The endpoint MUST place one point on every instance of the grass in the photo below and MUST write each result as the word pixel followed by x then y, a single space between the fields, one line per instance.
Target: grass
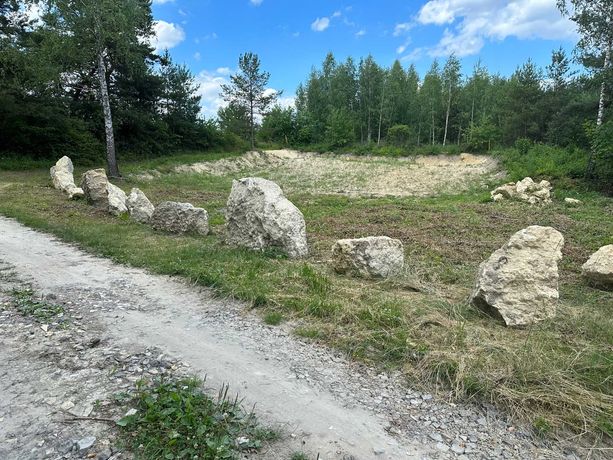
pixel 556 375
pixel 176 420
pixel 41 311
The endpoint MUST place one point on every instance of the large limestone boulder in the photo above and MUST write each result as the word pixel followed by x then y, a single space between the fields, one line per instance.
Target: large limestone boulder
pixel 371 257
pixel 63 178
pixel 599 267
pixel 519 282
pixel 259 216
pixel 139 206
pixel 525 190
pixel 117 200
pixel 95 187
pixel 180 218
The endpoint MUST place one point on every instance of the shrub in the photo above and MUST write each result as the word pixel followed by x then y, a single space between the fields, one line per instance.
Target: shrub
pixel 523 145
pixel 399 135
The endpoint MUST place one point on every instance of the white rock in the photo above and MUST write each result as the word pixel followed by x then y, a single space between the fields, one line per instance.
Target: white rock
pixel 117 200
pixel 63 178
pixel 85 443
pixel 573 201
pixel 371 257
pixel 519 282
pixel 525 190
pixel 139 206
pixel 180 218
pixel 259 217
pixel 95 187
pixel 599 267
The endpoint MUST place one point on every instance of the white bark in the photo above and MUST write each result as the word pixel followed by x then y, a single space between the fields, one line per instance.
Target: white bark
pixel 603 88
pixel 111 157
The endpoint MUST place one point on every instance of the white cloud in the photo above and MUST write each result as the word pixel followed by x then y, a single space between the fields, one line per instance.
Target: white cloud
pixel 166 35
pixel 224 71
pixel 210 92
pixel 360 33
pixel 402 28
pixel 256 2
pixel 472 22
pixel 161 2
pixel 320 24
pixel 197 56
pixel 336 14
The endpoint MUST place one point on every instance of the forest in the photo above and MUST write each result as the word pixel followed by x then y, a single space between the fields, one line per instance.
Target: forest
pixel 50 104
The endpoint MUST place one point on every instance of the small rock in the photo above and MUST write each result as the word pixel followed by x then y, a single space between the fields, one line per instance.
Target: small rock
pixel 85 443
pixel 371 257
pixel 180 218
pixel 378 451
pixel 573 201
pixel 599 267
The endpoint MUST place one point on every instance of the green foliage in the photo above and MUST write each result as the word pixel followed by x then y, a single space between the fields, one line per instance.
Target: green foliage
pixel 545 162
pixel 279 126
pixel 481 137
pixel 523 145
pixel 247 90
pixel 601 149
pixel 274 318
pixel 40 310
pixel 400 135
pixel 339 132
pixel 176 420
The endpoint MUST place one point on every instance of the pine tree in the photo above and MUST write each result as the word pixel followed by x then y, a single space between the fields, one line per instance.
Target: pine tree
pixel 248 89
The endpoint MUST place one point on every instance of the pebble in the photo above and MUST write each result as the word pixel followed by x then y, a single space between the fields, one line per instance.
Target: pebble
pixel 85 443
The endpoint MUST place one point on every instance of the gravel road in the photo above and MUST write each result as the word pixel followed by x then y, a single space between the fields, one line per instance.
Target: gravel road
pixel 323 403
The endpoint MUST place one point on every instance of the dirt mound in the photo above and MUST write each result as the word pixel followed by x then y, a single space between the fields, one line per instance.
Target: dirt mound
pixel 354 175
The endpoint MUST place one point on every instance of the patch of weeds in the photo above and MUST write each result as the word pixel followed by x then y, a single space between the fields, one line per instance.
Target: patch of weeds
pixel 299 456
pixel 274 318
pixel 176 420
pixel 317 283
pixel 40 310
pixel 542 426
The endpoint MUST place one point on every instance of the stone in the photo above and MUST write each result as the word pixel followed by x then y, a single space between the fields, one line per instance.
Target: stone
pixel 95 187
pixel 139 206
pixel 599 267
pixel 85 443
pixel 519 282
pixel 371 257
pixel 572 201
pixel 525 190
pixel 180 218
pixel 259 216
pixel 63 178
pixel 117 200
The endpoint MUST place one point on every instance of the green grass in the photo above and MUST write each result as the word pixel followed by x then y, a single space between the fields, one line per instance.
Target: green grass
pixel 43 312
pixel 176 420
pixel 555 374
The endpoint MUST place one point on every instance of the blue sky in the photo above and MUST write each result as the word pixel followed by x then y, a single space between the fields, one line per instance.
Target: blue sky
pixel 293 36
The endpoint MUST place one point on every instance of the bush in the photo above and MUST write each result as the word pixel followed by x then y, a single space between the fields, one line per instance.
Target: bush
pixel 340 129
pixel 523 145
pixel 399 135
pixel 544 162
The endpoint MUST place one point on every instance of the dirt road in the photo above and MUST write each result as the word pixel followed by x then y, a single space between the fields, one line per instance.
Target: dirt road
pixel 325 404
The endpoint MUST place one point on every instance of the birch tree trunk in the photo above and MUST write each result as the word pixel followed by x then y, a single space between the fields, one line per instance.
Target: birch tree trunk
pixel 447 117
pixel 111 157
pixel 600 118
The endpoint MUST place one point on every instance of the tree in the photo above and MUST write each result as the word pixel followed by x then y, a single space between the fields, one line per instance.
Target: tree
pixel 235 119
pixel 101 35
pixel 248 89
pixel 278 125
pixel 594 19
pixel 451 81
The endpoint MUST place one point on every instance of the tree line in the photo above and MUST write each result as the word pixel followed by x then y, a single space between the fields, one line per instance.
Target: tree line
pixel 83 79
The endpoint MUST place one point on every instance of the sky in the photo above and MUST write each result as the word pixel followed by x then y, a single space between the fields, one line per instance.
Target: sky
pixel 292 37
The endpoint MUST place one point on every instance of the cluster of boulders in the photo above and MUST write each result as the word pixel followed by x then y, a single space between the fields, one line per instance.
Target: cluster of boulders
pixel 517 284
pixel 525 190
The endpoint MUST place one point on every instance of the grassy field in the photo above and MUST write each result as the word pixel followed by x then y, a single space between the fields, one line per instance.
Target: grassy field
pixel 555 375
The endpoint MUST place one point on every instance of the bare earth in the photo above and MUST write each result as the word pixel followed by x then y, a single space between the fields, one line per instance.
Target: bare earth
pixel 355 175
pixel 126 323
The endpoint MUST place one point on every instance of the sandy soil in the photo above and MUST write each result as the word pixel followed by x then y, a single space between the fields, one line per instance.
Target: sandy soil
pixel 353 175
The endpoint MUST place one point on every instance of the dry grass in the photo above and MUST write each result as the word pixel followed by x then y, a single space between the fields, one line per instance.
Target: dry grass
pixel 556 375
